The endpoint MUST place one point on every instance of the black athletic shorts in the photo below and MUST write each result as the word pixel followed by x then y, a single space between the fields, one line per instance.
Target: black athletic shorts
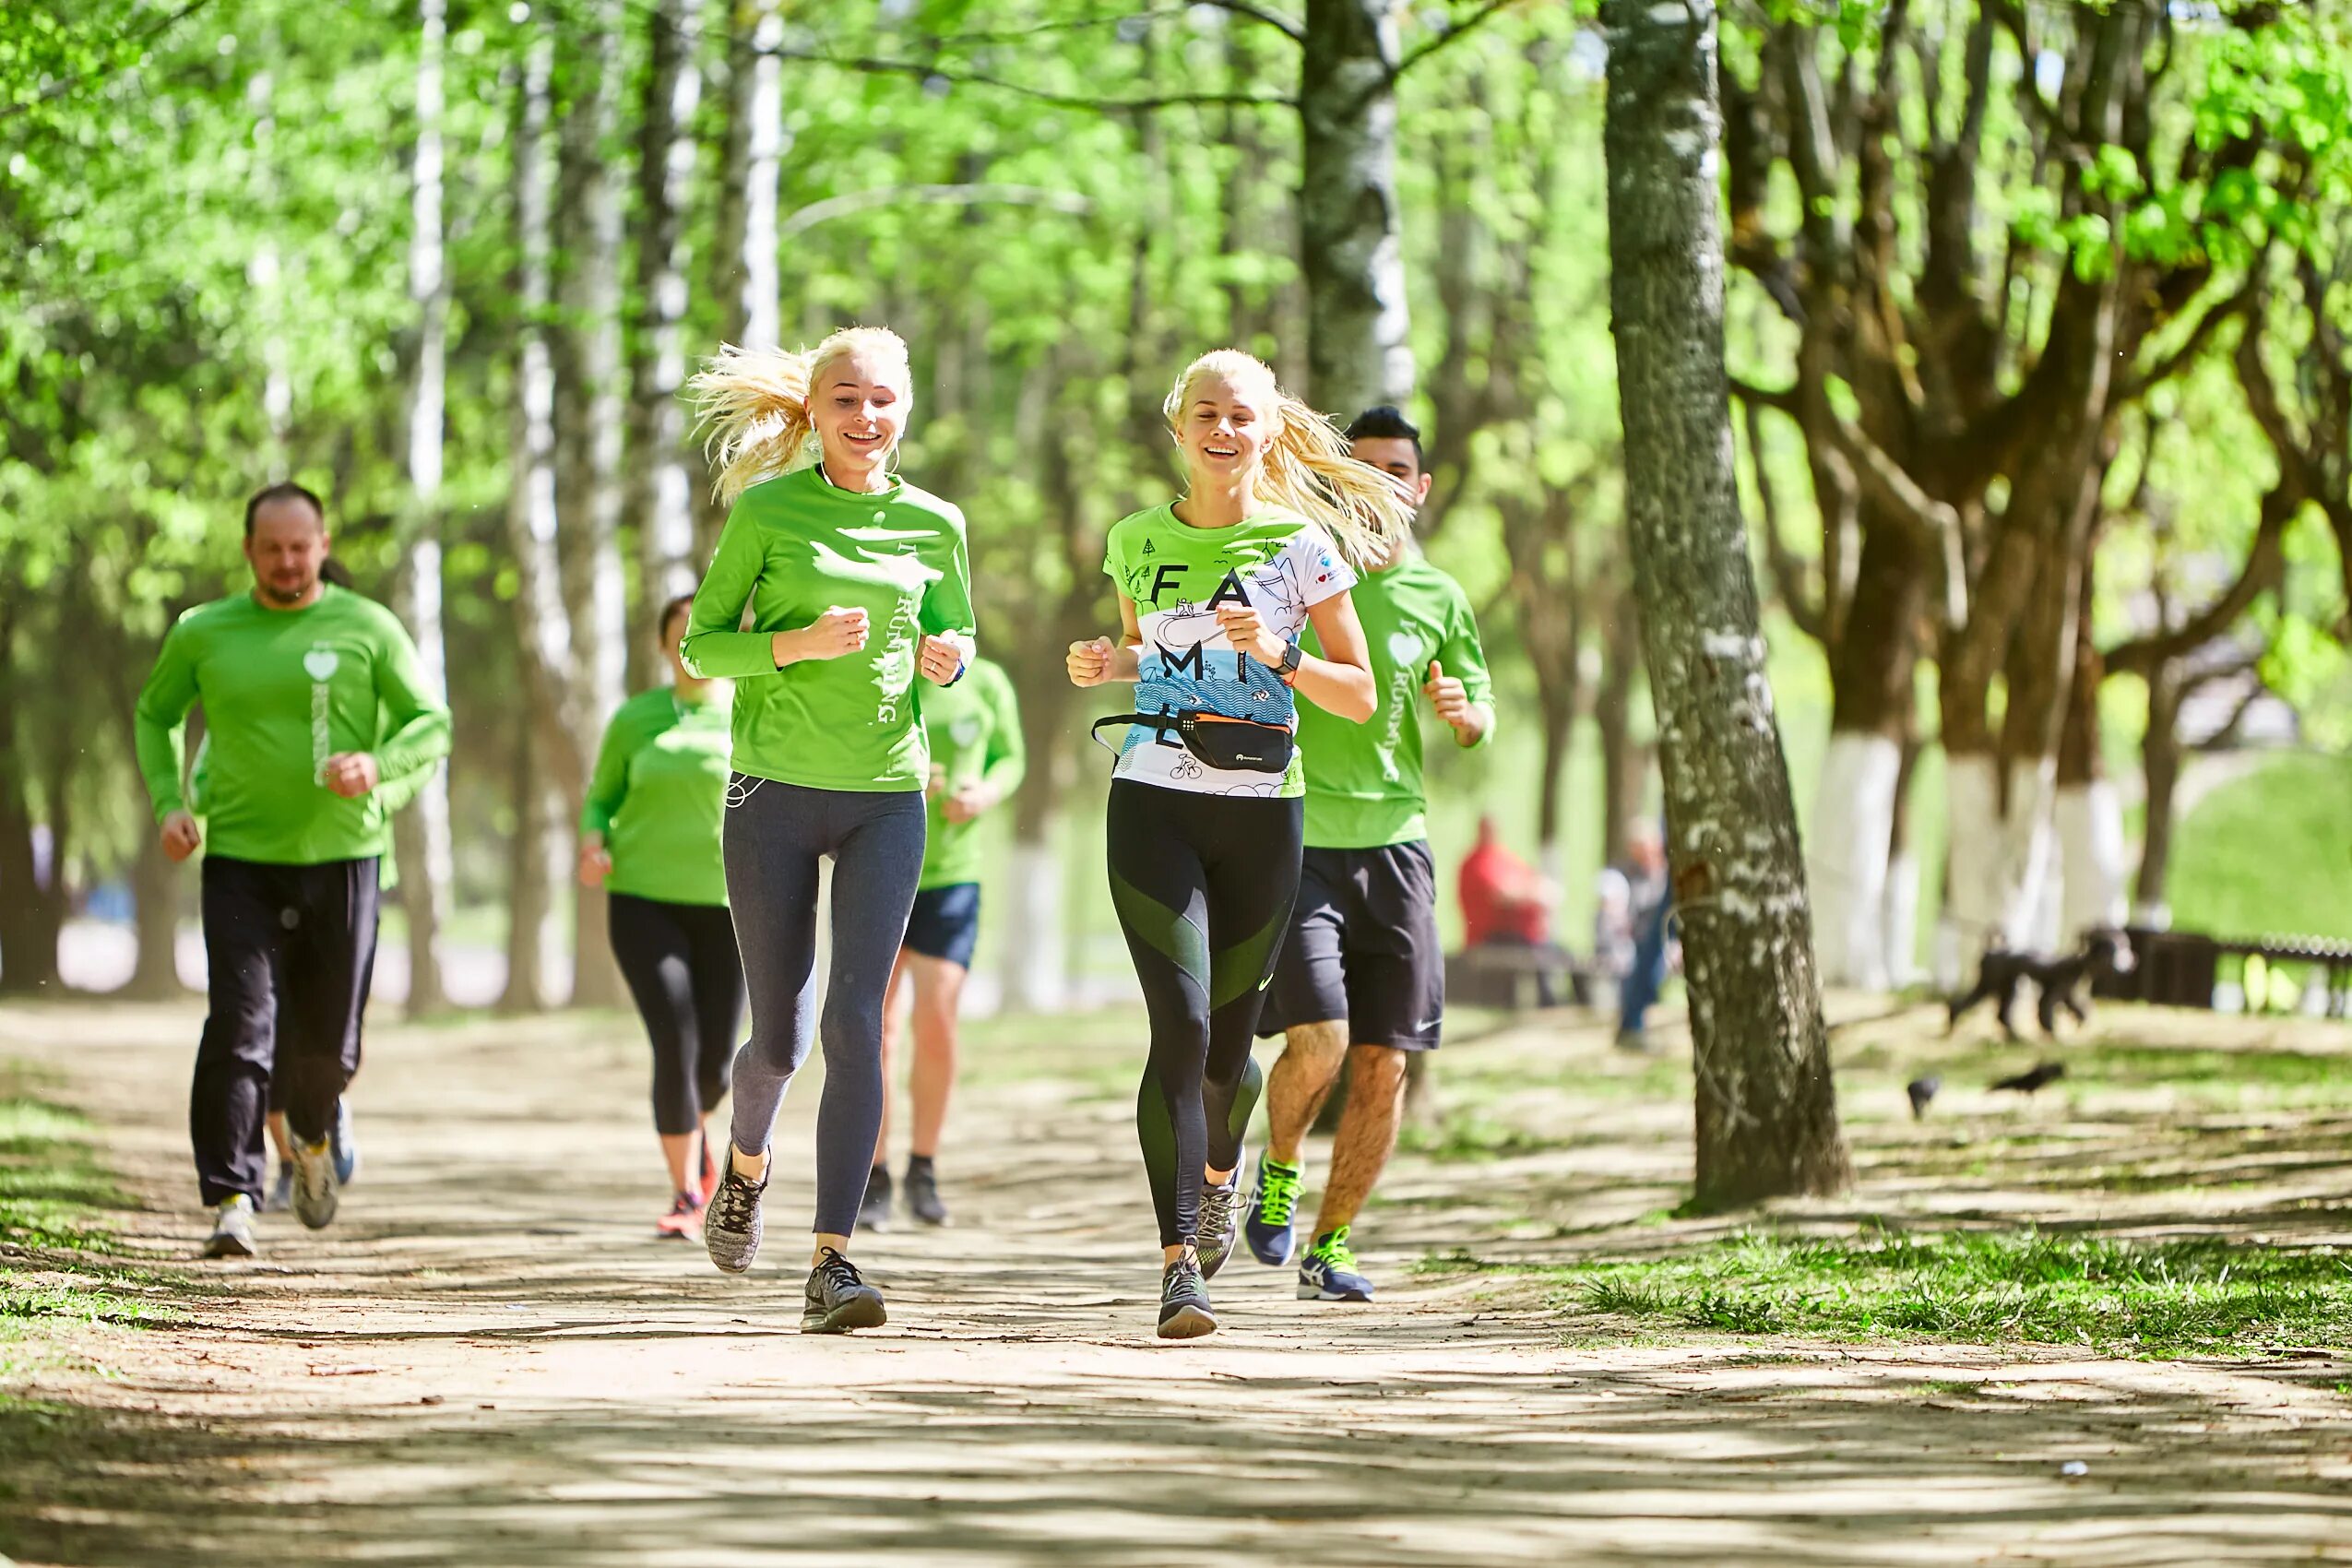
pixel 1364 948
pixel 944 923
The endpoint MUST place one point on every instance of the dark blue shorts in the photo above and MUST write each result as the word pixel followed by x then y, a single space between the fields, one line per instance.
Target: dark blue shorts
pixel 944 923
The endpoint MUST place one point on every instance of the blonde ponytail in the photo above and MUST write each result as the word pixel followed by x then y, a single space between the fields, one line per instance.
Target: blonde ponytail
pixel 755 402
pixel 1308 468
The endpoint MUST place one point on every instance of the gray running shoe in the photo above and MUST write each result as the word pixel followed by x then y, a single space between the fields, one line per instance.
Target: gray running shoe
pixel 838 1297
pixel 315 1192
pixel 731 1226
pixel 281 1191
pixel 1184 1312
pixel 923 1196
pixel 874 1213
pixel 231 1230
pixel 1217 1224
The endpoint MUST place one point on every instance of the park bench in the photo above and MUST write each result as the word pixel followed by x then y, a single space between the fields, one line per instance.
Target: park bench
pixel 2180 968
pixel 1503 975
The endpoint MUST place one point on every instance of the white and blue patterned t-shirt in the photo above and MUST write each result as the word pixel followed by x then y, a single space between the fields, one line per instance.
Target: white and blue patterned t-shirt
pixel 1279 565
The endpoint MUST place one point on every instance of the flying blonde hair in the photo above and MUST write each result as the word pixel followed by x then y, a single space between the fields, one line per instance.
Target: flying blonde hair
pixel 755 402
pixel 1308 468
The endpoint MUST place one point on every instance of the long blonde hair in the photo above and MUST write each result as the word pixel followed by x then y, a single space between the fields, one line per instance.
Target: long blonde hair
pixel 755 402
pixel 1307 467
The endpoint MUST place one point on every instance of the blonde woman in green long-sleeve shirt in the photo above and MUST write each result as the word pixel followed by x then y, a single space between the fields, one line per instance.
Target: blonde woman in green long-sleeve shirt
pixel 855 583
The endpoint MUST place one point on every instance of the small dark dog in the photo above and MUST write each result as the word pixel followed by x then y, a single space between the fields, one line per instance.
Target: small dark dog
pixel 2059 979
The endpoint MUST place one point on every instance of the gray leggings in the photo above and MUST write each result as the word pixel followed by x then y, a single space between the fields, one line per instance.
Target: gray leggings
pixel 775 835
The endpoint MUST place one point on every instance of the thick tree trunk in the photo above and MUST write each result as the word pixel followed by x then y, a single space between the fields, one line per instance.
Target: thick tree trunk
pixel 155 914
pixel 534 937
pixel 541 617
pixel 2160 754
pixel 660 485
pixel 1350 231
pixel 1847 859
pixel 589 416
pixel 28 927
pixel 1901 901
pixel 2089 815
pixel 1767 1107
pixel 420 835
pixel 1624 768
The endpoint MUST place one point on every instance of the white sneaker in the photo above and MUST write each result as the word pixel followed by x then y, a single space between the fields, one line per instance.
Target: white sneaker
pixel 315 1189
pixel 231 1230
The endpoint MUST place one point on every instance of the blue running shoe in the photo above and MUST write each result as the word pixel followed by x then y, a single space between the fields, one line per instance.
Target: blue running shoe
pixel 1328 1271
pixel 347 1147
pixel 1272 1235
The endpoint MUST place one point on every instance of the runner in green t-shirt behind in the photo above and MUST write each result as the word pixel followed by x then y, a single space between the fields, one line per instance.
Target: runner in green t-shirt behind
pixel 649 829
pixel 976 761
pixel 317 712
pixel 1362 975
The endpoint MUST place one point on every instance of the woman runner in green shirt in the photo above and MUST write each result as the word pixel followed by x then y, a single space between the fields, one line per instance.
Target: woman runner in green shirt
pixel 855 582
pixel 649 836
pixel 1202 828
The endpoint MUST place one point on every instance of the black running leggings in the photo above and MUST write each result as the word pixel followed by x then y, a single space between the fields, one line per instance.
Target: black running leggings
pixel 1203 885
pixel 683 971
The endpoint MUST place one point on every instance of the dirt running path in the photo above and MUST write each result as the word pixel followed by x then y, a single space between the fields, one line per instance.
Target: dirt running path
pixel 489 1360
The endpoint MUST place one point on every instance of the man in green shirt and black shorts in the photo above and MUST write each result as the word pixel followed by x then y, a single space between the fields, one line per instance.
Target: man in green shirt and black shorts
pixel 1362 976
pixel 977 759
pixel 316 711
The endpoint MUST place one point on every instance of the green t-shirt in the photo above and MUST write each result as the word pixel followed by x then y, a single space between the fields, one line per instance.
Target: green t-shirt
pixel 793 547
pixel 283 690
pixel 975 729
pixel 1364 780
pixel 658 796
pixel 1279 565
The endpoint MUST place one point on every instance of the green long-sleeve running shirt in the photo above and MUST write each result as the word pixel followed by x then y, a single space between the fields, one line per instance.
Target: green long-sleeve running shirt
pixel 283 690
pixel 659 796
pixel 795 547
pixel 975 731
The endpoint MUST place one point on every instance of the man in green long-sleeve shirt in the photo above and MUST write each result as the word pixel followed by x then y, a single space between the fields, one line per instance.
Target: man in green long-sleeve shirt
pixel 317 712
pixel 977 759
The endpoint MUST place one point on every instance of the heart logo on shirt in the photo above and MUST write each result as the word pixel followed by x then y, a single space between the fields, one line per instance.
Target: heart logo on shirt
pixel 1403 647
pixel 321 663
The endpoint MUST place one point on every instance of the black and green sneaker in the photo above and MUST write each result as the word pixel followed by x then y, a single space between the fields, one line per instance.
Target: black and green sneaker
pixel 1328 1271
pixel 1272 1235
pixel 1184 1312
pixel 838 1299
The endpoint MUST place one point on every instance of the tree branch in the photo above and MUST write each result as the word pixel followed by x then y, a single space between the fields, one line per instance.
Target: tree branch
pixel 1453 31
pixel 925 71
pixel 1789 574
pixel 805 217
pixel 129 57
pixel 2137 383
pixel 2266 567
pixel 1294 31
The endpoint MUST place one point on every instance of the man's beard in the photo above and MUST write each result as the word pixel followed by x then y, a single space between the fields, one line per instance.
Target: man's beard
pixel 276 594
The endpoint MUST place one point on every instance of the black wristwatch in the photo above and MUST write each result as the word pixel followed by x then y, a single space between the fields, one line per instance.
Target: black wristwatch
pixel 1289 668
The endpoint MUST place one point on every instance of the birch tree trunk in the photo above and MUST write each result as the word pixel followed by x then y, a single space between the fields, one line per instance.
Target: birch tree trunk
pixel 1767 1107
pixel 542 619
pixel 590 414
pixel 420 834
pixel 660 487
pixel 744 269
pixel 1351 235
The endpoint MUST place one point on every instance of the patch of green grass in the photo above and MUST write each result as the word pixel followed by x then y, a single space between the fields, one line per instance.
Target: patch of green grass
pixel 1469 1135
pixel 2225 876
pixel 2175 1298
pixel 53 1240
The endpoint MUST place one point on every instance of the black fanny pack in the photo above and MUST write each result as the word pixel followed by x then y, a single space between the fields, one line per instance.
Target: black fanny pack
pixel 1237 745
